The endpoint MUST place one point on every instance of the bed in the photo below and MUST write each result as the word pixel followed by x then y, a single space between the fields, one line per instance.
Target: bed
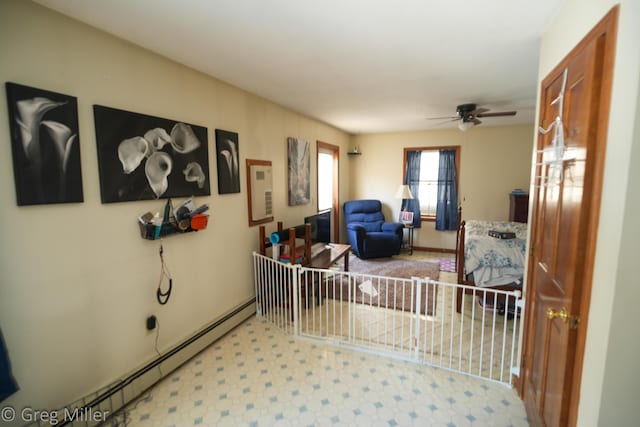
pixel 490 262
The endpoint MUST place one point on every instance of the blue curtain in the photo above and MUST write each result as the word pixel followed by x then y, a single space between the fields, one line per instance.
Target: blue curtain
pixel 8 385
pixel 412 179
pixel 447 207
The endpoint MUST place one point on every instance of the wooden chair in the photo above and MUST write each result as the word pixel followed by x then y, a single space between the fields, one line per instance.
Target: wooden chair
pixel 295 252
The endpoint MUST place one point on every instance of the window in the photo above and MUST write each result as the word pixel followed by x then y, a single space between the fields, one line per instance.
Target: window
pixel 328 156
pixel 427 184
pixel 428 187
pixel 325 180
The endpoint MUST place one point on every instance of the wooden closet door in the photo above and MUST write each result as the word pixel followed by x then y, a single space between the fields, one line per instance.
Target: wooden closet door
pixel 564 226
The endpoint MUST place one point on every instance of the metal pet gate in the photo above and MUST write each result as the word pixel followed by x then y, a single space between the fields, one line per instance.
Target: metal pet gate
pixel 411 319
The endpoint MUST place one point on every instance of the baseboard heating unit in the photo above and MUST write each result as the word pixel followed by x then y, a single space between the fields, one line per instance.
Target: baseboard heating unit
pixel 115 396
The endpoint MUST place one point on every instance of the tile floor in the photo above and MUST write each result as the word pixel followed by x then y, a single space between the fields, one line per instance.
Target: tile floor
pixel 258 376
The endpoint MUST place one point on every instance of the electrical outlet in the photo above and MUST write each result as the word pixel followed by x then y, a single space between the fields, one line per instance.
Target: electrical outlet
pixel 151 323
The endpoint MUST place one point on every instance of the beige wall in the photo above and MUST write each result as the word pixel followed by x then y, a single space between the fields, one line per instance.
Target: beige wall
pixel 493 162
pixel 610 374
pixel 76 280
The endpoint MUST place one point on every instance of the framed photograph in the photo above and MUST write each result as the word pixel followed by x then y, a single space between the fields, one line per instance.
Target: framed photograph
pixel 143 157
pixel 259 191
pixel 299 172
pixel 45 146
pixel 227 156
pixel 406 217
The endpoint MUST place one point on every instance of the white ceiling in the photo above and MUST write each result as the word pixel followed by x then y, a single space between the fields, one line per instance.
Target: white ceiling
pixel 360 65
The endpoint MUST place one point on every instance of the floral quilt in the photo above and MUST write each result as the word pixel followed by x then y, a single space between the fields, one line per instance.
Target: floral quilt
pixel 482 250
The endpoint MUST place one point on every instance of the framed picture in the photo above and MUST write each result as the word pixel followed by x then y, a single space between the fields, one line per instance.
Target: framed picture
pixel 143 157
pixel 299 172
pixel 406 217
pixel 45 146
pixel 227 156
pixel 259 191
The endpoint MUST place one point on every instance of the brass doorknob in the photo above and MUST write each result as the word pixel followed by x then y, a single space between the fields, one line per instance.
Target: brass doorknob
pixel 563 314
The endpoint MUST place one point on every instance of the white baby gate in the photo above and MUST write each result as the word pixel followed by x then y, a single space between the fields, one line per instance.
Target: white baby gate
pixel 412 319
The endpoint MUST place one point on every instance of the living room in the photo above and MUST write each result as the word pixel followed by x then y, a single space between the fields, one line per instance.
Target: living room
pixel 78 282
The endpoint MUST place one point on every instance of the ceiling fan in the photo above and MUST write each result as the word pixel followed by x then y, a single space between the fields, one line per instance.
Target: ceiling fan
pixel 469 115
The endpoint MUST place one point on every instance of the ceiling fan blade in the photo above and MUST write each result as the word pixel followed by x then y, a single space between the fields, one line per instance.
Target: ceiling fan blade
pixel 502 113
pixel 444 118
pixel 448 121
pixel 479 111
pixel 476 121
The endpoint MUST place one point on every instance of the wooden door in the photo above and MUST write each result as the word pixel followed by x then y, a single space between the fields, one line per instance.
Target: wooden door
pixel 564 227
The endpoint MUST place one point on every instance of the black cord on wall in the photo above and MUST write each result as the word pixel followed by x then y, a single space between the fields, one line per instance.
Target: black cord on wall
pixel 163 297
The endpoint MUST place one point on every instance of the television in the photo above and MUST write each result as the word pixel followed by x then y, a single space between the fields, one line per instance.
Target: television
pixel 320 226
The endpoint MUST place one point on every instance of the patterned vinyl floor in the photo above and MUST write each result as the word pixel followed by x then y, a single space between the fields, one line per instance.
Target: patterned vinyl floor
pixel 258 376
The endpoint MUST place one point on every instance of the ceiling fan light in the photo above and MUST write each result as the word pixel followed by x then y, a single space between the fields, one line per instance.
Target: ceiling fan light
pixel 465 126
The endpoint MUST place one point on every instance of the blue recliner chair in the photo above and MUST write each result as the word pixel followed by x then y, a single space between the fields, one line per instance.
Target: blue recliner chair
pixel 368 233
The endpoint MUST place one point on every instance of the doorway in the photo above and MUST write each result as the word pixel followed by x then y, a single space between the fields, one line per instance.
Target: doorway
pixel 328 156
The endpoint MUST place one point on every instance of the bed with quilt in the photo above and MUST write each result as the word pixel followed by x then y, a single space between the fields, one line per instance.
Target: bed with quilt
pixel 491 254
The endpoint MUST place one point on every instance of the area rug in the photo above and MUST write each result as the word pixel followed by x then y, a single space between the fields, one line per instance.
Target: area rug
pixel 448 265
pixel 374 285
pixel 395 267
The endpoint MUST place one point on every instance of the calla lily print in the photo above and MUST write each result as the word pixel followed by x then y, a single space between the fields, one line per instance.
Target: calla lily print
pixel 228 172
pixel 143 157
pixel 45 145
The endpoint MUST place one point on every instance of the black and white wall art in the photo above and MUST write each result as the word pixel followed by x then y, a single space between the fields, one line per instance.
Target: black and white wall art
pixel 299 172
pixel 45 145
pixel 142 157
pixel 227 156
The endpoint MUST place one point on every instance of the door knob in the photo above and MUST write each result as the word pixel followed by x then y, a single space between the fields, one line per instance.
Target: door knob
pixel 563 314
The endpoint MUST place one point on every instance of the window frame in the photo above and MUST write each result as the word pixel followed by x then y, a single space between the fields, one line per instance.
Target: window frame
pixel 457 148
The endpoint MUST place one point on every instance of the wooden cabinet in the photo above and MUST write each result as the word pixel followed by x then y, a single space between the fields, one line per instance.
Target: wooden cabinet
pixel 519 207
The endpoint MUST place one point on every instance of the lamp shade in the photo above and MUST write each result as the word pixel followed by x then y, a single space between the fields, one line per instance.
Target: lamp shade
pixel 404 192
pixel 465 126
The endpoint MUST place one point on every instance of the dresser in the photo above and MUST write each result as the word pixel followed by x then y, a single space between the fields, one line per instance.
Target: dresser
pixel 518 207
